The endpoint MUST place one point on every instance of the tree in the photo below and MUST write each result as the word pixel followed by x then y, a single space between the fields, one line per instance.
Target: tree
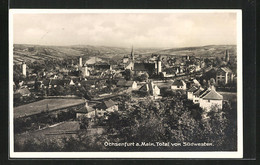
pixel 212 82
pixel 84 123
pixel 143 77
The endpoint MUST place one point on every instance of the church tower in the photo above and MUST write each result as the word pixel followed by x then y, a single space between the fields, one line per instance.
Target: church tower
pixel 227 56
pixel 159 65
pixel 24 68
pixel 80 61
pixel 132 54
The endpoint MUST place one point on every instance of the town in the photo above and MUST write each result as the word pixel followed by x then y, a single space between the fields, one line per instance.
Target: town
pixel 138 96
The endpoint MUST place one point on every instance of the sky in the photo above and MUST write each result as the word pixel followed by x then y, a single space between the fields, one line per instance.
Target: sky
pixel 148 30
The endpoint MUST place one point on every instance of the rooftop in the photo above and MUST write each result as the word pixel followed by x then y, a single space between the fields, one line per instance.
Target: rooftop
pixel 178 83
pixel 226 69
pixel 212 95
pixel 144 67
pixel 109 103
pixel 192 89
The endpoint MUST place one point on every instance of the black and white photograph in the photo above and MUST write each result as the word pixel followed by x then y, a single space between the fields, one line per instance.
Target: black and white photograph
pixel 125 83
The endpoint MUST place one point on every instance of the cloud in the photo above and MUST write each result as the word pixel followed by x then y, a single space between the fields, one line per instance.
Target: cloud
pixel 123 30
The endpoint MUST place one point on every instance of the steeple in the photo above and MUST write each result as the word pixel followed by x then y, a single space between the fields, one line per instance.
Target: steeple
pixel 227 56
pixel 159 65
pixel 132 54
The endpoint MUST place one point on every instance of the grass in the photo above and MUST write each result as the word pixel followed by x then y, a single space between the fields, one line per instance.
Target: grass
pixel 39 106
pixel 232 96
pixel 56 132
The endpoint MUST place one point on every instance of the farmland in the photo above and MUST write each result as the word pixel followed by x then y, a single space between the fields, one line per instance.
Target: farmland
pixel 43 105
pixel 58 131
pixel 31 53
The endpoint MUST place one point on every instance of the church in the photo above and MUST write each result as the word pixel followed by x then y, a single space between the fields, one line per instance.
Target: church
pixel 142 67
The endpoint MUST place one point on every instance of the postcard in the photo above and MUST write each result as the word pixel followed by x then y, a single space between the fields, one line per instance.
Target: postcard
pixel 125 83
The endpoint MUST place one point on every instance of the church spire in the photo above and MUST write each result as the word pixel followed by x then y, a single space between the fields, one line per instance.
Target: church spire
pixel 132 54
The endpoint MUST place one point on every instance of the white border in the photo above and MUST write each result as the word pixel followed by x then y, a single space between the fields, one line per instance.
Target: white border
pixel 212 154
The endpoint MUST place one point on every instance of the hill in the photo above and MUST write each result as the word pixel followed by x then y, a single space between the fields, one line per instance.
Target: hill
pixel 31 53
pixel 202 51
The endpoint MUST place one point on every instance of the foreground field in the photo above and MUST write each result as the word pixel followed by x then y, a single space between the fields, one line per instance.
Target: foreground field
pixel 43 105
pixel 229 95
pixel 58 131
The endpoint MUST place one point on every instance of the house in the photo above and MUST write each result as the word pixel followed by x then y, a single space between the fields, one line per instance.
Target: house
pixel 196 95
pixel 57 82
pixel 190 92
pixel 178 85
pixel 129 84
pixel 91 83
pixel 125 59
pixel 23 92
pixel 71 82
pixel 45 83
pixel 87 112
pixel 224 76
pixel 210 98
pixel 29 84
pixel 140 68
pixel 103 66
pixel 151 88
pixel 106 107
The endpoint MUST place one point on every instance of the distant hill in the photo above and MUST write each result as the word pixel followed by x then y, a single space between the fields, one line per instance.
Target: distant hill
pixel 202 51
pixel 30 53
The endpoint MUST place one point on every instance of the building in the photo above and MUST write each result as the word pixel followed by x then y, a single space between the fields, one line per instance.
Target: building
pixel 85 71
pixel 106 107
pixel 125 59
pixel 210 98
pixel 24 68
pixel 87 112
pixel 140 68
pixel 143 67
pixel 178 85
pixel 103 66
pixel 227 56
pixel 224 76
pixel 57 82
pixel 196 95
pixel 23 92
pixel 151 88
pixel 158 65
pixel 72 82
pixel 80 61
pixel 90 83
pixel 128 84
pixel 190 92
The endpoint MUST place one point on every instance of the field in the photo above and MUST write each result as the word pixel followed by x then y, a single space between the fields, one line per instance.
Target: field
pixel 229 95
pixel 43 105
pixel 58 131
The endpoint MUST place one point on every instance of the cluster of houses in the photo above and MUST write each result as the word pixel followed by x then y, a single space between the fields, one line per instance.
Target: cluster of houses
pixel 205 98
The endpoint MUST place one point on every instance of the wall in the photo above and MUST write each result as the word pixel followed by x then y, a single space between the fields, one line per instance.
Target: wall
pixel 207 105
